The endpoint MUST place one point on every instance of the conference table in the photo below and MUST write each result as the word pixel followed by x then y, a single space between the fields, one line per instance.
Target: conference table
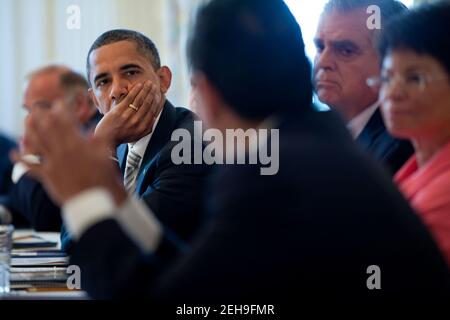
pixel 39 269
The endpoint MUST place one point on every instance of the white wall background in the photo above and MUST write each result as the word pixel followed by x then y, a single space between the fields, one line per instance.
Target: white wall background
pixel 34 33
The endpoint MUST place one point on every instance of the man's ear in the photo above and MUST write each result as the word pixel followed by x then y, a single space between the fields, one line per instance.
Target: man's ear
pixel 94 99
pixel 165 78
pixel 82 107
pixel 79 107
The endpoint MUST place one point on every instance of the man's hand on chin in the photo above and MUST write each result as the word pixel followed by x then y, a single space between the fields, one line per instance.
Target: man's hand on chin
pixel 133 117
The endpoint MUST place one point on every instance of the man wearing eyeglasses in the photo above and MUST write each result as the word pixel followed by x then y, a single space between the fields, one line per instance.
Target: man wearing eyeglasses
pixel 346 58
pixel 27 200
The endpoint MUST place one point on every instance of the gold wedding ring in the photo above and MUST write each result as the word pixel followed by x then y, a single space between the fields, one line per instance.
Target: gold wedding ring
pixel 132 106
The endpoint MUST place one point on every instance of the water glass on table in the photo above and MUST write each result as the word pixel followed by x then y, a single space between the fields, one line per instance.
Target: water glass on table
pixel 6 242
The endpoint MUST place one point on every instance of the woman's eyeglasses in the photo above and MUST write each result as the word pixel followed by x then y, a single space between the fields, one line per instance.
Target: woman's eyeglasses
pixel 412 82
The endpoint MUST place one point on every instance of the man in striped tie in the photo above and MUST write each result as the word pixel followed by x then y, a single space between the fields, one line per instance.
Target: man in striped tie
pixel 131 169
pixel 128 85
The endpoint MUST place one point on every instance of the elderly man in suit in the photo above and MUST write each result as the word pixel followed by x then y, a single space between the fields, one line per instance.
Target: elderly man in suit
pixel 27 200
pixel 346 58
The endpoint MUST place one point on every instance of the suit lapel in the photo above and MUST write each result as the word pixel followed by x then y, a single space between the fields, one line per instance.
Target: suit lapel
pixel 372 130
pixel 162 134
pixel 122 151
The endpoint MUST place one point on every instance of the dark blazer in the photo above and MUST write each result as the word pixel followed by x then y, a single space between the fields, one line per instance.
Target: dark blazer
pixel 32 206
pixel 308 232
pixel 30 203
pixel 6 145
pixel 392 153
pixel 174 193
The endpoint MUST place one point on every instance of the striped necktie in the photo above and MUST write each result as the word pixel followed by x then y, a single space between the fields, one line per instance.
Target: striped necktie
pixel 131 170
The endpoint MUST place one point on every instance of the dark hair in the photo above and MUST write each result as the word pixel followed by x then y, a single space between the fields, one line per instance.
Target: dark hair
pixel 423 30
pixel 253 53
pixel 144 45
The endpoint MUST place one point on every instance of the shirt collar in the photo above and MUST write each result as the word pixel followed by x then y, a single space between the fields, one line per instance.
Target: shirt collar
pixel 140 146
pixel 357 124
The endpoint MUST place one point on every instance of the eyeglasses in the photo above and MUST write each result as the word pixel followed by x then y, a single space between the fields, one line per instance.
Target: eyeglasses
pixel 412 82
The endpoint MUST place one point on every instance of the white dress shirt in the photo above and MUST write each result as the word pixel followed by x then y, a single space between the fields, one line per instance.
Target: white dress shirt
pixel 20 169
pixel 135 217
pixel 357 124
pixel 95 205
pixel 140 146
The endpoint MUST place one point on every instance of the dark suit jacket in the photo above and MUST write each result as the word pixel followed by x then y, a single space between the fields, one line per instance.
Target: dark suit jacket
pixel 308 232
pixel 6 145
pixel 392 153
pixel 32 206
pixel 174 193
pixel 30 203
